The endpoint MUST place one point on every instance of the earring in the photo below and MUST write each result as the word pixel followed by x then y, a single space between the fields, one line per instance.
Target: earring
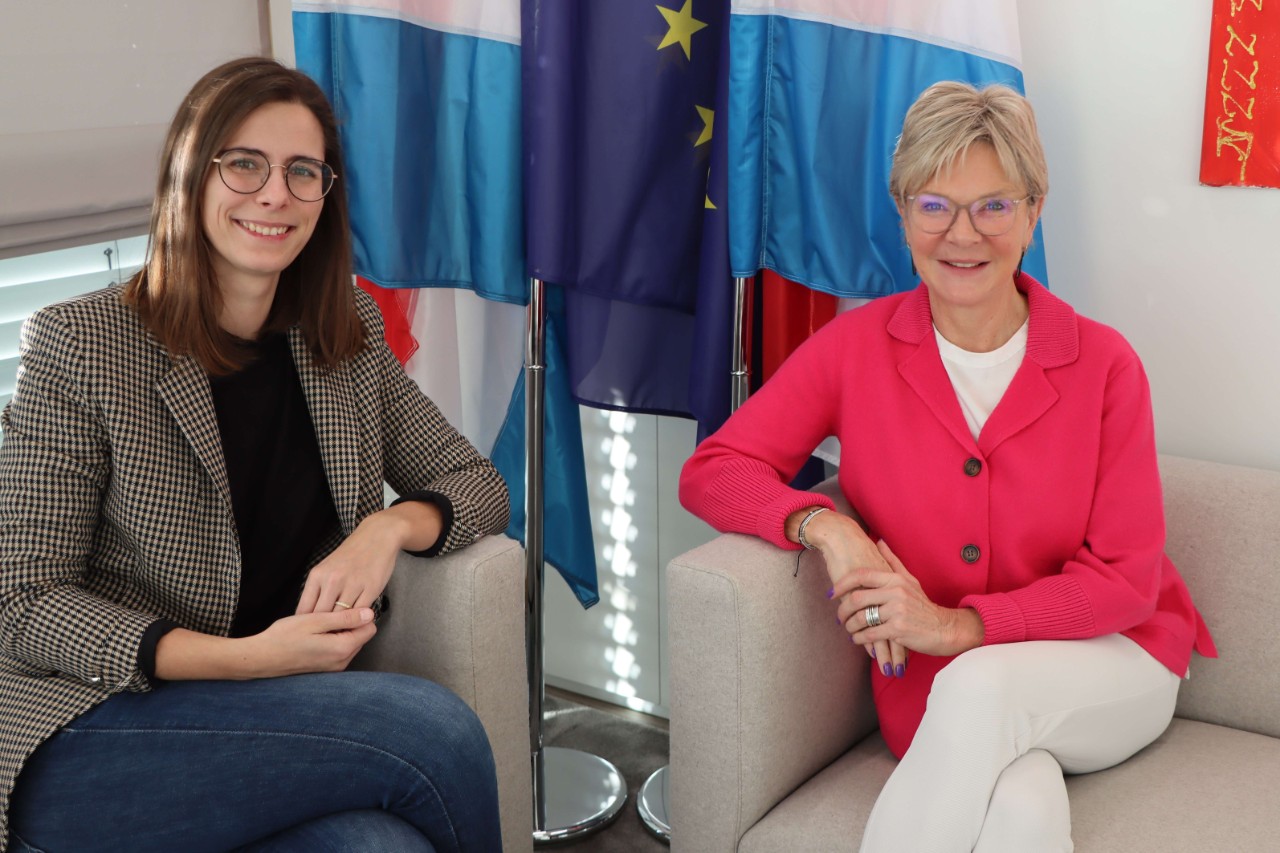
pixel 1017 274
pixel 914 273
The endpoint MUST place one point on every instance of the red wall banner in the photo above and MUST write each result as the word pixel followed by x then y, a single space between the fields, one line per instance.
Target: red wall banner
pixel 1241 144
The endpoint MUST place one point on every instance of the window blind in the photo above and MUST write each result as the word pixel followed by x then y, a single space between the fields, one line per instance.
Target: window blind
pixel 33 281
pixel 87 91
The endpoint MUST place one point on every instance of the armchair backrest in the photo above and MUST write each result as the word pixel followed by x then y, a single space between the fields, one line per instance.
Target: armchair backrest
pixel 1223 534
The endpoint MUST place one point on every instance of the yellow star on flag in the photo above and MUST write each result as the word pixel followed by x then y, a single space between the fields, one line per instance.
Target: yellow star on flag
pixel 708 118
pixel 681 27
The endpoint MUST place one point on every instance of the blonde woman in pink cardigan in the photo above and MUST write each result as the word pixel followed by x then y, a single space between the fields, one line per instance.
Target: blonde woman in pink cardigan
pixel 1008 576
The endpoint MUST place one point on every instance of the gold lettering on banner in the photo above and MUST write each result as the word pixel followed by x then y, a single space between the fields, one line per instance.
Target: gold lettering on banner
pixel 1239 141
pixel 1230 136
pixel 1252 80
pixel 1234 36
pixel 1248 111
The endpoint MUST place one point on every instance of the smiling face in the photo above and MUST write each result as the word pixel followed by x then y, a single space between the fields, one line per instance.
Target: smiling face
pixel 254 236
pixel 961 267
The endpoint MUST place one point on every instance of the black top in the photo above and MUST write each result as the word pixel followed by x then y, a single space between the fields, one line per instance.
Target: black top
pixel 279 493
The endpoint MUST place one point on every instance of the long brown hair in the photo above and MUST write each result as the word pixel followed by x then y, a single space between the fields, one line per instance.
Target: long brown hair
pixel 176 293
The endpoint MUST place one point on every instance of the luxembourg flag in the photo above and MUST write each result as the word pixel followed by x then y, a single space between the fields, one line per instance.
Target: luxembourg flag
pixel 818 91
pixel 427 96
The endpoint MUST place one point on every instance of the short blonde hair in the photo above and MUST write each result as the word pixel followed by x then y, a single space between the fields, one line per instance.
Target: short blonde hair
pixel 948 118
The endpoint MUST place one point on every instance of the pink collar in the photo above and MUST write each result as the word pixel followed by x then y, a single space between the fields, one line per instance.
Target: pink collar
pixel 1053 338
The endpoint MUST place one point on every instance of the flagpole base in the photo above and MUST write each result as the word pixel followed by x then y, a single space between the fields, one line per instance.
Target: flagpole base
pixel 651 804
pixel 580 793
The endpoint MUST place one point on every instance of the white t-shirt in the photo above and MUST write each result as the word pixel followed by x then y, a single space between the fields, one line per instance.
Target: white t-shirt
pixel 981 378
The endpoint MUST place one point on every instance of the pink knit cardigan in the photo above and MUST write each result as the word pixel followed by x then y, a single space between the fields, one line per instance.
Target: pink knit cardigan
pixel 1050 525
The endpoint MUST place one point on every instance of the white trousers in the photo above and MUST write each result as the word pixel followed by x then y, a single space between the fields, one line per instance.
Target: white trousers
pixel 1003 723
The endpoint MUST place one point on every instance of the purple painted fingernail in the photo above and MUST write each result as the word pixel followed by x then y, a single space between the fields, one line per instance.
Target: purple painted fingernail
pixel 831 592
pixel 888 670
pixel 873 649
pixel 900 670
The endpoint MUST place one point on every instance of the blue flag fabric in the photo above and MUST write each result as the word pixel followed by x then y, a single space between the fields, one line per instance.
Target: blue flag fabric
pixel 430 124
pixel 428 103
pixel 509 454
pixel 619 119
pixel 819 90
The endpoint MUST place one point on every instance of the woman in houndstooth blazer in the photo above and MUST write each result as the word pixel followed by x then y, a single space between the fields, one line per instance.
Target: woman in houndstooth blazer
pixel 192 534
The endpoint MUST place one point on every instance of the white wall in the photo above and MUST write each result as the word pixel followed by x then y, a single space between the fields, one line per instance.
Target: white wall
pixel 1189 274
pixel 280 21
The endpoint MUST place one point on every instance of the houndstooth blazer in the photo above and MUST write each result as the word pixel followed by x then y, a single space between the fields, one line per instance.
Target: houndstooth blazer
pixel 115 507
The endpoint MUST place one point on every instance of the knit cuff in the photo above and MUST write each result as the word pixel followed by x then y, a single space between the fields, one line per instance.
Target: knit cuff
pixel 445 506
pixel 1001 619
pixel 771 522
pixel 147 648
pixel 1050 609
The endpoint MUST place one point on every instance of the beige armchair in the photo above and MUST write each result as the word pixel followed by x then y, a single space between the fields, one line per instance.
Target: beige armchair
pixel 459 621
pixel 774 742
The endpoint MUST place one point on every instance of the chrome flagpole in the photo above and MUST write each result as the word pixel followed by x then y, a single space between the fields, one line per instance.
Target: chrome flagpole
pixel 651 800
pixel 574 793
pixel 740 374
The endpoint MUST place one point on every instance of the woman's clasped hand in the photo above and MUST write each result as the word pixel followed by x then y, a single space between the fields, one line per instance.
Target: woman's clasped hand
pixel 907 619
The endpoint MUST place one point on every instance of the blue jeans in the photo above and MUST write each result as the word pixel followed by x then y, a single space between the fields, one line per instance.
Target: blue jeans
pixel 322 762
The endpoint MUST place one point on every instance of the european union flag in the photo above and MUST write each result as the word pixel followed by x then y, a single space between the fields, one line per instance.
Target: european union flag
pixel 619 117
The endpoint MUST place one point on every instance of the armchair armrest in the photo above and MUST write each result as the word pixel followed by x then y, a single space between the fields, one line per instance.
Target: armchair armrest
pixel 766 689
pixel 458 620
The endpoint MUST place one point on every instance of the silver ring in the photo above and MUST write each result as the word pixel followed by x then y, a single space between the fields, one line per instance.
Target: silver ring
pixel 873 615
pixel 342 604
